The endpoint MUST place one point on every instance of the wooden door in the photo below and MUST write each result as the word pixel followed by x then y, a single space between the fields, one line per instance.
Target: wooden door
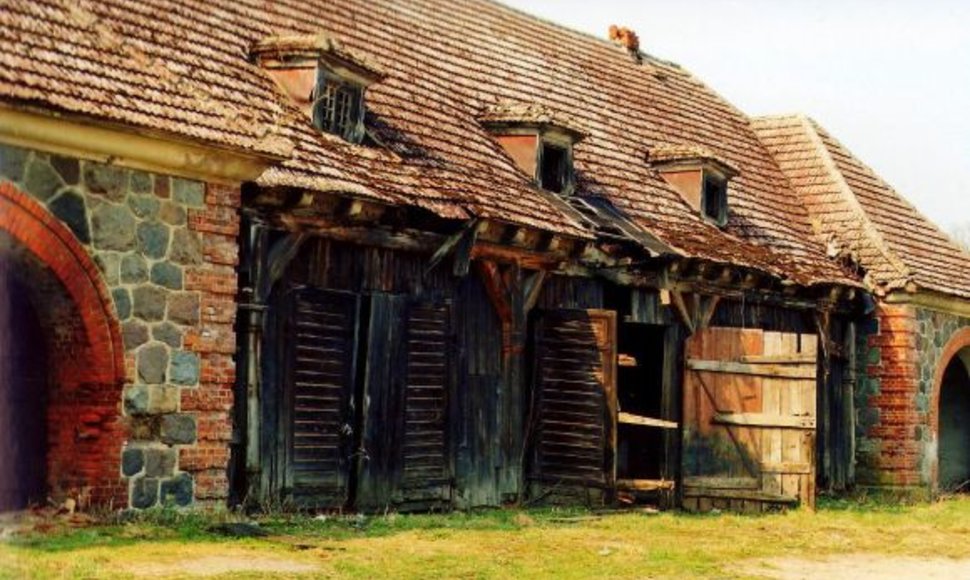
pixel 404 459
pixel 749 420
pixel 574 403
pixel 318 402
pixel 427 469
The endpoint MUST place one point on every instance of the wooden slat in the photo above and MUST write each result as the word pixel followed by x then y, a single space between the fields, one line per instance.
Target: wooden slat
pixel 721 482
pixel 781 359
pixel 764 420
pixel 763 370
pixel 791 468
pixel 742 494
pixel 644 484
pixel 631 419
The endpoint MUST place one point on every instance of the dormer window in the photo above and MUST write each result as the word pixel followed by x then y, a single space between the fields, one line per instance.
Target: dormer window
pixel 338 107
pixel 322 78
pixel 555 167
pixel 699 176
pixel 539 141
pixel 714 198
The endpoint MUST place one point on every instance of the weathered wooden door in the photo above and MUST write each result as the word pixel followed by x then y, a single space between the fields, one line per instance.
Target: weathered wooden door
pixel 749 420
pixel 574 403
pixel 404 457
pixel 318 399
pixel 427 468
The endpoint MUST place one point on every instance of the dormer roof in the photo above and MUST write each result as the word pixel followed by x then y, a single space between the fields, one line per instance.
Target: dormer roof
pixel 288 50
pixel 690 154
pixel 509 114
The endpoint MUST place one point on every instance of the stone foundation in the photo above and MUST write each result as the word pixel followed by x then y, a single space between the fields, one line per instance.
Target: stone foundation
pixel 167 251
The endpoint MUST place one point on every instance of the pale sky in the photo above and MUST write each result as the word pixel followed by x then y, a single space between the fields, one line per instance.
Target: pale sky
pixel 889 78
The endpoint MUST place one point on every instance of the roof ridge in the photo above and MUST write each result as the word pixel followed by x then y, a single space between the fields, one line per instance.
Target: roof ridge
pixel 566 28
pixel 900 197
pixel 868 228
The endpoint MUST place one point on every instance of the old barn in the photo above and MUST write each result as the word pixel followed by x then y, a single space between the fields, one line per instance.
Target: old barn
pixel 430 254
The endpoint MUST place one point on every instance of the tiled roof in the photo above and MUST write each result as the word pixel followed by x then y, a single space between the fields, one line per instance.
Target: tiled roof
pixel 447 62
pixel 169 69
pixel 861 214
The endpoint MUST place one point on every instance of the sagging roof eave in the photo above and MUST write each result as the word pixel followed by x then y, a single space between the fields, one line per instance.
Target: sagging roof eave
pixel 47 128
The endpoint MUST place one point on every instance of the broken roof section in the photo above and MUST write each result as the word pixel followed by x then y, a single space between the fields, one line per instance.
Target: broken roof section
pixel 861 216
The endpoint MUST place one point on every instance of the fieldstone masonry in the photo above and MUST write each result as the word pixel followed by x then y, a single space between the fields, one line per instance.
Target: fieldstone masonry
pixel 900 348
pixel 167 250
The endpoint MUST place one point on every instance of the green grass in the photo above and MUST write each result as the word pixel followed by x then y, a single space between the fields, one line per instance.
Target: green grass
pixel 491 544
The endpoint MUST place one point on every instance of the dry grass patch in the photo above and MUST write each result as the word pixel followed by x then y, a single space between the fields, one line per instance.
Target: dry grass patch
pixel 504 544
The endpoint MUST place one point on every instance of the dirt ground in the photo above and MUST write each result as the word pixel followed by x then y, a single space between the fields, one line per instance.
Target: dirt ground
pixel 219 565
pixel 857 567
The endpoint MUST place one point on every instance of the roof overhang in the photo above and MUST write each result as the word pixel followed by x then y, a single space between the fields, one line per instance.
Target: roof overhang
pixel 127 147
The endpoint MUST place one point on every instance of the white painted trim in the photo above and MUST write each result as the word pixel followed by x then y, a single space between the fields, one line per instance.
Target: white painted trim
pixel 128 148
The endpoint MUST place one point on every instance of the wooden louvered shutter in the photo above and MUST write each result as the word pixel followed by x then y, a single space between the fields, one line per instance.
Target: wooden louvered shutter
pixel 427 473
pixel 319 398
pixel 574 400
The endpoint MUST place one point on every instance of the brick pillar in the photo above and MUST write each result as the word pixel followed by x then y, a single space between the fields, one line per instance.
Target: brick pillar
pixel 890 422
pixel 214 340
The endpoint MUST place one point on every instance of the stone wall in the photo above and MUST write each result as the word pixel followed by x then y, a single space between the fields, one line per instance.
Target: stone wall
pixel 167 250
pixel 900 348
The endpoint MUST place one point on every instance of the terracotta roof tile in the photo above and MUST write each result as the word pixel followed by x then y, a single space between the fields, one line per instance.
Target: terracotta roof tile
pixel 447 62
pixel 861 213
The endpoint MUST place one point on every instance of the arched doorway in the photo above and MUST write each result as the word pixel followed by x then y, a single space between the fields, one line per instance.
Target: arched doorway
pixel 954 424
pixel 61 365
pixel 23 396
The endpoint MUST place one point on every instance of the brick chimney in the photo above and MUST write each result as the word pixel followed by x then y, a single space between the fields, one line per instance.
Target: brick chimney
pixel 626 38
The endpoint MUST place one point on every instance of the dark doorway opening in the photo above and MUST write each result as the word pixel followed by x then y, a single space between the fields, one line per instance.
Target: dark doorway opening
pixel 23 397
pixel 954 451
pixel 641 461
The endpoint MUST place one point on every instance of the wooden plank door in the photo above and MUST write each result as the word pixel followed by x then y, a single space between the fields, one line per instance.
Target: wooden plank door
pixel 318 409
pixel 404 459
pixel 574 403
pixel 749 420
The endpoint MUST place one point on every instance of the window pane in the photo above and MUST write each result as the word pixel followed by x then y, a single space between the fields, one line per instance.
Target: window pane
pixel 555 165
pixel 715 198
pixel 323 109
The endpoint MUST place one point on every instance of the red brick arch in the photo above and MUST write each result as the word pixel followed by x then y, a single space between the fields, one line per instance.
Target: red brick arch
pixel 959 341
pixel 85 428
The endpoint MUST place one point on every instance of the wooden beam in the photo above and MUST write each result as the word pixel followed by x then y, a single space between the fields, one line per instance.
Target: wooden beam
pixel 714 482
pixel 495 289
pixel 763 420
pixel 786 359
pixel 742 494
pixel 806 372
pixel 710 307
pixel 528 259
pixel 631 419
pixel 644 484
pixel 533 289
pixel 678 300
pixel 469 229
